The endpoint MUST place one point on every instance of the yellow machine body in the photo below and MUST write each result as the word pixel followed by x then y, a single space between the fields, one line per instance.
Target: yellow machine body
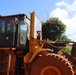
pixel 39 58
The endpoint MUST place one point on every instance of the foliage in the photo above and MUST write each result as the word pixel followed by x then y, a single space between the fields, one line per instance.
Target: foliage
pixel 63 38
pixel 67 49
pixel 53 28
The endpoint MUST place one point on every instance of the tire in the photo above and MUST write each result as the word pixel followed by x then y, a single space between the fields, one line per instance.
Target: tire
pixel 51 64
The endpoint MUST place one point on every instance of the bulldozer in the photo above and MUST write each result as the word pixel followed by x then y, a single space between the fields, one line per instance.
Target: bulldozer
pixel 23 52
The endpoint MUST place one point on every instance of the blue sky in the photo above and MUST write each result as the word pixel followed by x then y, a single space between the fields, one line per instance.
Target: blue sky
pixel 65 10
pixel 41 7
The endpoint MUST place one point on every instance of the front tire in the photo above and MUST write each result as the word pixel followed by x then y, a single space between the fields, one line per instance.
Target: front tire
pixel 51 64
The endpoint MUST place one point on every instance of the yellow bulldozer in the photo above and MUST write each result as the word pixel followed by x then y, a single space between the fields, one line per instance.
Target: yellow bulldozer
pixel 23 52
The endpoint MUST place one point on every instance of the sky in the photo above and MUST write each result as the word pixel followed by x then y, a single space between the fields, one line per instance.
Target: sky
pixel 65 10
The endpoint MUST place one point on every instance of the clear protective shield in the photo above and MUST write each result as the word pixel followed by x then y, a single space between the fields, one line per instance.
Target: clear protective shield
pixel 37 28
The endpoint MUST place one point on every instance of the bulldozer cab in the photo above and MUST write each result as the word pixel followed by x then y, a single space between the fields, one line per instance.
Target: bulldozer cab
pixel 13 30
pixel 13 36
pixel 18 33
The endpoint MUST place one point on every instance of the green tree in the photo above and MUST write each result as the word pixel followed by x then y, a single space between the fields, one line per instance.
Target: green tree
pixel 63 38
pixel 53 28
pixel 67 49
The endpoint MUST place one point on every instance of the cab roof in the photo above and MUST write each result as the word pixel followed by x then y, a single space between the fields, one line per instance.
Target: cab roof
pixel 14 15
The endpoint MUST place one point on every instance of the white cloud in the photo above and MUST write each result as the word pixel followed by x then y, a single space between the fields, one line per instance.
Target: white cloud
pixel 60 13
pixel 72 7
pixel 73 37
pixel 71 27
pixel 64 14
pixel 63 3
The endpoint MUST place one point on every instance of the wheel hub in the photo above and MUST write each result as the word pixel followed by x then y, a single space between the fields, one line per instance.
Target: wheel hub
pixel 50 70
